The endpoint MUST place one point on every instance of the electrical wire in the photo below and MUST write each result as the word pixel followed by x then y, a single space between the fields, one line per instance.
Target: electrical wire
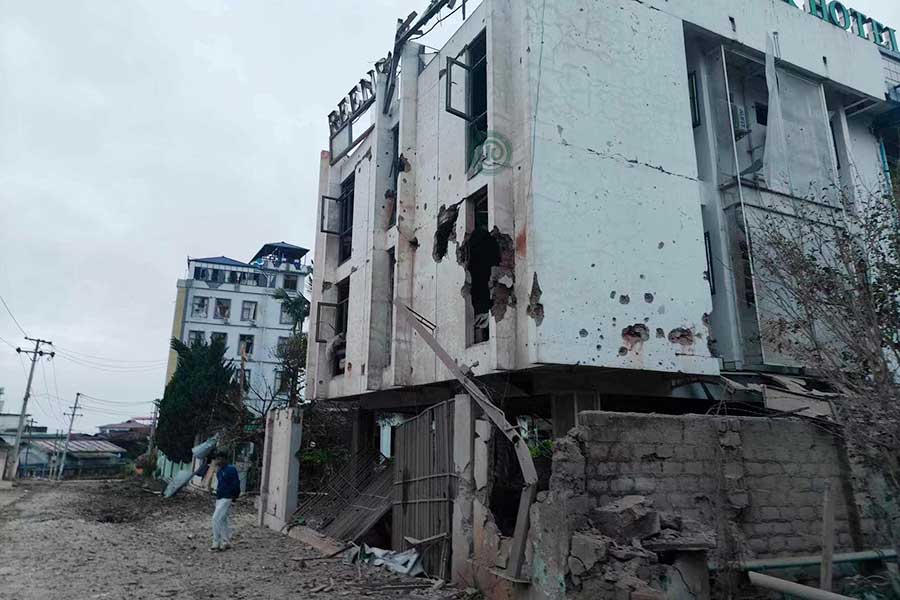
pixel 12 316
pixel 113 369
pixel 7 343
pixel 86 356
pixel 436 23
pixel 113 402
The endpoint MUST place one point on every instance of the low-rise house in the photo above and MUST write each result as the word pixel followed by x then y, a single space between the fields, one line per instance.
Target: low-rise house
pixel 41 454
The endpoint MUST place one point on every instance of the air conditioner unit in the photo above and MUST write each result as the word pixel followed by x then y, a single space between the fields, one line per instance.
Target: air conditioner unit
pixel 739 121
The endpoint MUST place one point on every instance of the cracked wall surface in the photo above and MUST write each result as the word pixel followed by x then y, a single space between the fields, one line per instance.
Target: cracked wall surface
pixel 615 191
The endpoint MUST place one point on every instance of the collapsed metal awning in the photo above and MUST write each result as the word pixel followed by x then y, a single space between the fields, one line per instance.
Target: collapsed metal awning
pixel 783 393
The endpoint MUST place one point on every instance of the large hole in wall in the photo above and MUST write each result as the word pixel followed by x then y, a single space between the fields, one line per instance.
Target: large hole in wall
pixel 479 254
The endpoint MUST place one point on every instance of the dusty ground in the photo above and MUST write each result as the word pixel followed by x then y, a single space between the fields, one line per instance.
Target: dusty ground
pixel 113 540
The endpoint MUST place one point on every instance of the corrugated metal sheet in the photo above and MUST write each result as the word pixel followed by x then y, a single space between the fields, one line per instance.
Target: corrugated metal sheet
pixel 82 446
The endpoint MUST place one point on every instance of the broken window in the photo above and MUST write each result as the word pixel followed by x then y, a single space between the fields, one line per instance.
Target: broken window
pixel 245 343
pixel 473 74
pixel 481 253
pixel 223 308
pixel 290 282
pixel 339 355
pixel 248 311
pixel 195 338
pixel 217 275
pixel 219 336
pixel 200 308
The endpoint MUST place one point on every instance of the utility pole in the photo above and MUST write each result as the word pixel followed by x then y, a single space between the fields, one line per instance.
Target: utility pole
pixel 73 414
pixel 152 441
pixel 35 354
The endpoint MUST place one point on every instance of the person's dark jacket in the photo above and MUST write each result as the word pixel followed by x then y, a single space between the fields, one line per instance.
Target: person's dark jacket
pixel 228 484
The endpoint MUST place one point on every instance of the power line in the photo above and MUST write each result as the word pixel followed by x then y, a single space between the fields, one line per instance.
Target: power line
pixel 13 316
pixel 86 356
pixel 7 343
pixel 114 402
pixel 113 369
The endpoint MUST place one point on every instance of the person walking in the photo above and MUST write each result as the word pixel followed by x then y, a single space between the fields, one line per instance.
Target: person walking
pixel 228 488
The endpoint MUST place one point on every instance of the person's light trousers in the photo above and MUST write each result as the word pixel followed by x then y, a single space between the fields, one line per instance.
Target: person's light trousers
pixel 221 528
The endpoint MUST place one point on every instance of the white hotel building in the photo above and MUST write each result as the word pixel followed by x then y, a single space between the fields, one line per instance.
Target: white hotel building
pixel 233 300
pixel 609 236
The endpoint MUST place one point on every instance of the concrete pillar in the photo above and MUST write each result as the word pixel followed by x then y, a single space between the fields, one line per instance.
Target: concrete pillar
pixel 463 439
pixel 281 468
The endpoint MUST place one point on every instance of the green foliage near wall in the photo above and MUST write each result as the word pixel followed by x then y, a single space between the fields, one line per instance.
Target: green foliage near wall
pixel 201 397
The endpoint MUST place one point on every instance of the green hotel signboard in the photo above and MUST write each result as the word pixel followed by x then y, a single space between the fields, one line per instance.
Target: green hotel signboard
pixel 850 19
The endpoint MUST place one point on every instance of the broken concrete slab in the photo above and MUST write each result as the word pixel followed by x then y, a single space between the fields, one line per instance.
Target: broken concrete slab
pixel 628 518
pixel 587 550
pixel 675 541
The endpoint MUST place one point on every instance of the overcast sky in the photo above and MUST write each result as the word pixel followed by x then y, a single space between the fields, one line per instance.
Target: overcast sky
pixel 136 133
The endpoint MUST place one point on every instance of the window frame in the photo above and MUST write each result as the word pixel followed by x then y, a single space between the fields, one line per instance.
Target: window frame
pixel 241 339
pixel 191 337
pixel 292 277
pixel 244 306
pixel 216 309
pixel 194 313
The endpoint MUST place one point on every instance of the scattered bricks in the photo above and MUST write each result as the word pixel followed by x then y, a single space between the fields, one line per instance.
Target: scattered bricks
pixel 586 551
pixel 631 517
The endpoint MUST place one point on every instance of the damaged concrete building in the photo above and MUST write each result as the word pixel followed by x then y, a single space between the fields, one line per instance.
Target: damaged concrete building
pixel 562 199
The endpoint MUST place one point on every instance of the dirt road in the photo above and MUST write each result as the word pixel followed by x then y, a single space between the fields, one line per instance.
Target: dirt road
pixel 113 540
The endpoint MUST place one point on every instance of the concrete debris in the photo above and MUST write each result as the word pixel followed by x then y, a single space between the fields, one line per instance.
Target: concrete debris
pixel 670 540
pixel 626 519
pixel 586 552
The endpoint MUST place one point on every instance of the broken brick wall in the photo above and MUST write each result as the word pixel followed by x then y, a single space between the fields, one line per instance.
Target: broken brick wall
pixel 766 476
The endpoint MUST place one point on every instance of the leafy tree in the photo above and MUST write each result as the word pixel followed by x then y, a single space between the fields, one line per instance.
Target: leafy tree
pixel 295 305
pixel 201 397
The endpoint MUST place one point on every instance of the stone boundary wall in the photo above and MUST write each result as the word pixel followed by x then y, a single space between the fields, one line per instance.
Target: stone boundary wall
pixel 757 481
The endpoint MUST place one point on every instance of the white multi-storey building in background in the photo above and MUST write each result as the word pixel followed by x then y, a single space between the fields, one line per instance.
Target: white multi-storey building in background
pixel 234 301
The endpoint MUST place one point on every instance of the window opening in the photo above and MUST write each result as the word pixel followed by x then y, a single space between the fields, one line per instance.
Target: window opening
pixel 219 336
pixel 200 308
pixel 345 207
pixel 223 308
pixel 245 344
pixel 695 98
pixel 392 268
pixel 195 338
pixel 709 270
pixel 290 282
pixel 248 311
pixel 476 98
pixel 339 355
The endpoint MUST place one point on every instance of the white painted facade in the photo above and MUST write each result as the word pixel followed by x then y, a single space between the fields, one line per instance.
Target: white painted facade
pixel 253 315
pixel 605 203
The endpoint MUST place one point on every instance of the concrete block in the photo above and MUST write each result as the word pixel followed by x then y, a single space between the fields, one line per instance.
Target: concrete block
pixel 585 553
pixel 631 517
pixel 730 439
